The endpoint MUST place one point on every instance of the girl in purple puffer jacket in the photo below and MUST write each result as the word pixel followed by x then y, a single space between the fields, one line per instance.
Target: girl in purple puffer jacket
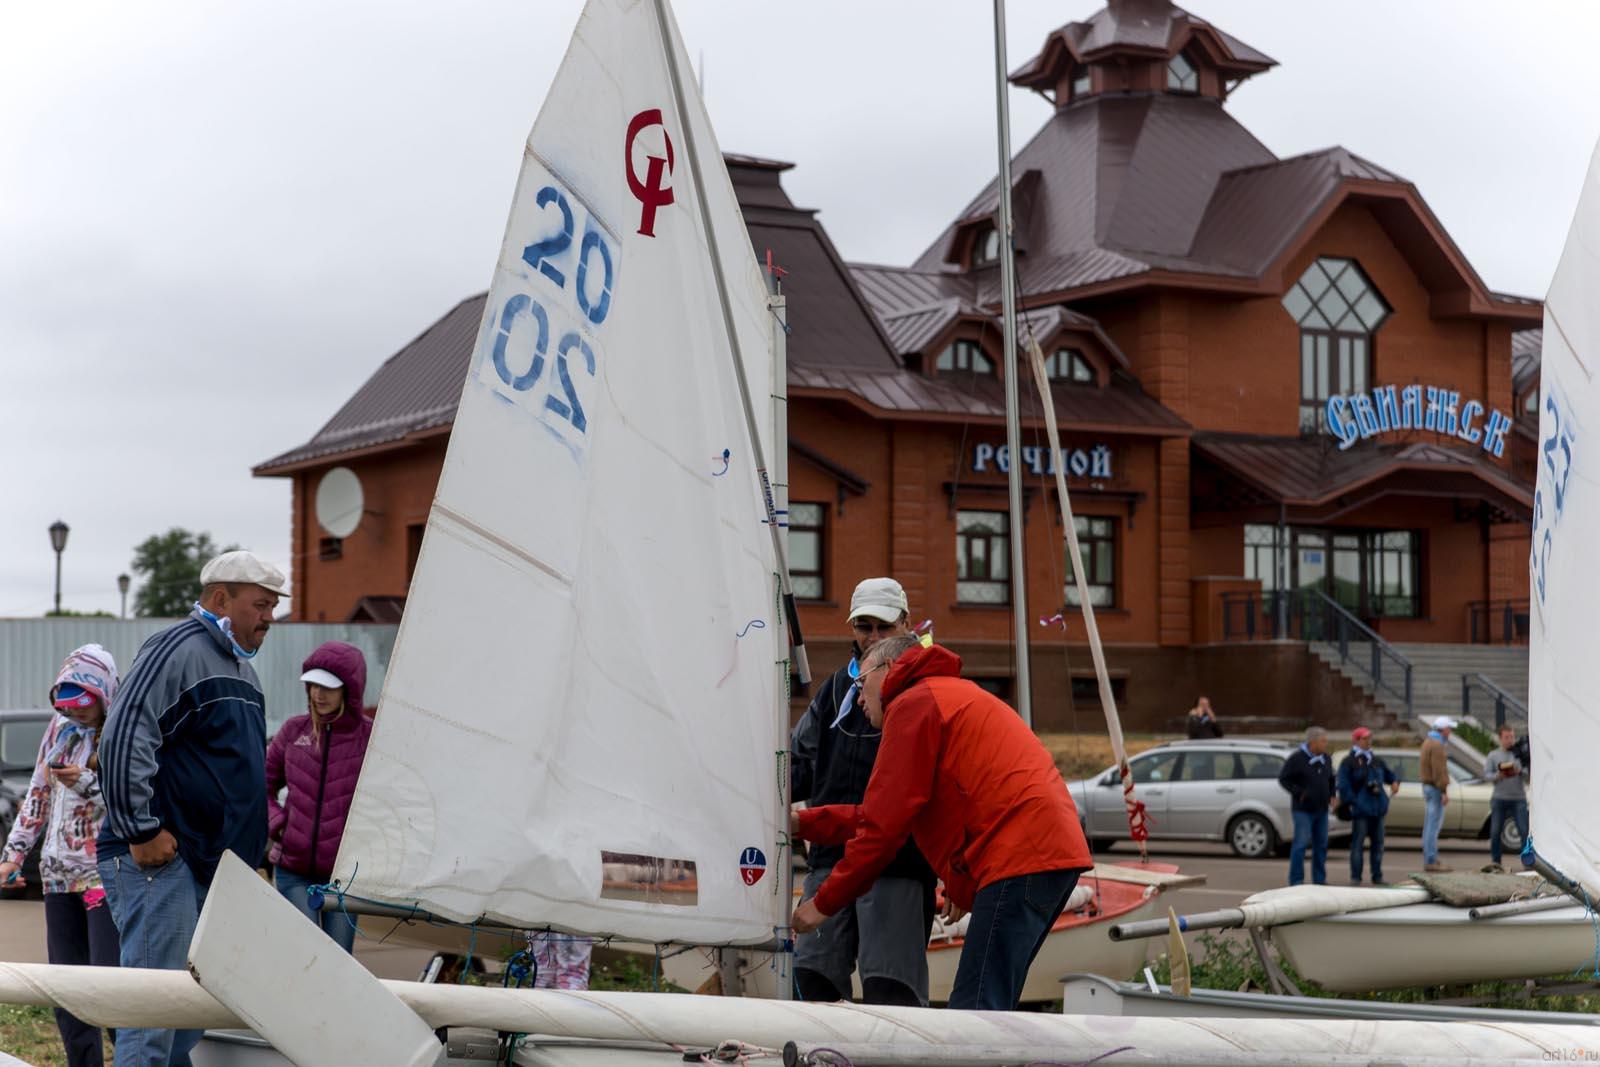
pixel 317 756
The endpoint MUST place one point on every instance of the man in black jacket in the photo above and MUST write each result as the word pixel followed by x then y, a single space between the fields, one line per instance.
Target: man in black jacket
pixel 884 934
pixel 1308 776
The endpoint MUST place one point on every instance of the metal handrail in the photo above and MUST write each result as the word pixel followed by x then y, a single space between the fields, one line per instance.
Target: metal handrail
pixel 1502 699
pixel 1511 614
pixel 1344 622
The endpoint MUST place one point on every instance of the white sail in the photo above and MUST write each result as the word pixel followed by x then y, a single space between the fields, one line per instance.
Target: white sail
pixel 1563 697
pixel 578 726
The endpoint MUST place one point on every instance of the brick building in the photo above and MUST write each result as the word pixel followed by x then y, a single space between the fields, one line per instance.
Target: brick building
pixel 1286 400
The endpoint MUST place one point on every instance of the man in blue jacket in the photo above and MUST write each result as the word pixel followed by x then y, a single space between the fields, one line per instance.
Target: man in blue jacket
pixel 183 774
pixel 1307 775
pixel 1365 785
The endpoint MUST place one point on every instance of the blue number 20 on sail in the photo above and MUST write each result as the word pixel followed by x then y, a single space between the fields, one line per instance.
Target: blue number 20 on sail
pixel 550 304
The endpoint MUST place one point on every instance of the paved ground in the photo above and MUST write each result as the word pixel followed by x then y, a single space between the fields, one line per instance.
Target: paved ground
pixel 1228 880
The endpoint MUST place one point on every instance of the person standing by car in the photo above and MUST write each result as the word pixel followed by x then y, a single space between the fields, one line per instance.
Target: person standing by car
pixel 316 758
pixel 1307 775
pixel 883 934
pixel 1435 777
pixel 63 804
pixel 1203 723
pixel 1504 769
pixel 1365 785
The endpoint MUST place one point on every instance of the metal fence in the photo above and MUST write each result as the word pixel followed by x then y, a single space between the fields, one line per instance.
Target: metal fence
pixel 31 651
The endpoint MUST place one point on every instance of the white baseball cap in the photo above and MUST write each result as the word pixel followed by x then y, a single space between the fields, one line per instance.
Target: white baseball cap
pixel 1444 722
pixel 326 679
pixel 245 568
pixel 878 598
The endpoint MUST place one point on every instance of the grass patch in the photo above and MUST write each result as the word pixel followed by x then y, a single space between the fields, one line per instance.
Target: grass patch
pixel 30 1034
pixel 1478 739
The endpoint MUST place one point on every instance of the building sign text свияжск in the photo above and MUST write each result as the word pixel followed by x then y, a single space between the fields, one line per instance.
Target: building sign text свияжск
pixel 1389 408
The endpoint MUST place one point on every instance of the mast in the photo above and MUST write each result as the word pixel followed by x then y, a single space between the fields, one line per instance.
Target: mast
pixel 1011 368
pixel 780 551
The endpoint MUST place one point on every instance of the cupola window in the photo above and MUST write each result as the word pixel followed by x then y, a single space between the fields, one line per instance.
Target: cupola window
pixel 1069 365
pixel 1181 75
pixel 985 246
pixel 1080 83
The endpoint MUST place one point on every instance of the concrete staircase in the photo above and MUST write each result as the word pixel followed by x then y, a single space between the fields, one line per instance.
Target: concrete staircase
pixel 1436 671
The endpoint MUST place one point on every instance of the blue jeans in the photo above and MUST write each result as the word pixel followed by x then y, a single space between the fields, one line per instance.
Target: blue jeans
pixel 1432 822
pixel 1310 829
pixel 1010 920
pixel 1362 829
pixel 1498 810
pixel 155 910
pixel 333 923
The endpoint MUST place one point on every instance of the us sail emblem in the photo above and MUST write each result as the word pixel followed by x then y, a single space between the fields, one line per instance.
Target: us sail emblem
pixel 752 865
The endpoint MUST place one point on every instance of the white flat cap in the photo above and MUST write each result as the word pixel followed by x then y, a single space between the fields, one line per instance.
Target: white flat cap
pixel 245 568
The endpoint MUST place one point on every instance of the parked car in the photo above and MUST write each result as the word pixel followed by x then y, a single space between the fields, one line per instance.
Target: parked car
pixel 1467 814
pixel 1223 789
pixel 1227 790
pixel 21 730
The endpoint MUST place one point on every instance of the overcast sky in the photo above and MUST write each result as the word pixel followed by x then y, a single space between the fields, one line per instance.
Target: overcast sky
pixel 216 220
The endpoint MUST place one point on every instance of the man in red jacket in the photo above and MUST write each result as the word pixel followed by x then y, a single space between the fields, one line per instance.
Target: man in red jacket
pixel 960 772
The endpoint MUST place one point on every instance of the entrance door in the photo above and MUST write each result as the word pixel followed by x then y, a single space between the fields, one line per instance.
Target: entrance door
pixel 1310 563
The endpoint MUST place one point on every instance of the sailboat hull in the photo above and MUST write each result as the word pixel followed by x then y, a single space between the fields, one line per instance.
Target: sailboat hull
pixel 1434 944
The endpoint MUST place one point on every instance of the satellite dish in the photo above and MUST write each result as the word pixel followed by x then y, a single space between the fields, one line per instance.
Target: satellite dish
pixel 339 502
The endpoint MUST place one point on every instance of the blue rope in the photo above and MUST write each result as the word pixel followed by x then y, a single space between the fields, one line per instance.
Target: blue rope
pixel 753 624
pixel 727 454
pixel 1528 856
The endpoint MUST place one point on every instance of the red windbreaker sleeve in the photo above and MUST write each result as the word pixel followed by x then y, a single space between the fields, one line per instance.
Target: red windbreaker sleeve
pixel 900 787
pixel 831 824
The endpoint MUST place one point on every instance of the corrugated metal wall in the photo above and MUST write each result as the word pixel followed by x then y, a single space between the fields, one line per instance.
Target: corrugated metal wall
pixel 31 651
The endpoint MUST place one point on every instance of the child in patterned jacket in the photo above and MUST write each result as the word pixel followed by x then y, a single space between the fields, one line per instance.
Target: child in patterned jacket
pixel 63 806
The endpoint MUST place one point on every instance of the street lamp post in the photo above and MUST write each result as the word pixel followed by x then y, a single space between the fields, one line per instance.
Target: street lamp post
pixel 58 541
pixel 123 581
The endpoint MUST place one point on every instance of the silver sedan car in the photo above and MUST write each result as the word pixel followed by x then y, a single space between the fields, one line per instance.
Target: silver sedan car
pixel 1216 790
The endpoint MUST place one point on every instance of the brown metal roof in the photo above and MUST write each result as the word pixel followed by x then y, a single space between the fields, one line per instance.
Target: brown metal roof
pixel 1123 178
pixel 1313 471
pixel 416 390
pixel 836 345
pixel 1121 407
pixel 1138 27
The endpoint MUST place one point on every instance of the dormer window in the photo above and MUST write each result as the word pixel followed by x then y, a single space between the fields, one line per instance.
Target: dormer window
pixel 1181 75
pixel 964 355
pixel 1069 365
pixel 1080 83
pixel 985 246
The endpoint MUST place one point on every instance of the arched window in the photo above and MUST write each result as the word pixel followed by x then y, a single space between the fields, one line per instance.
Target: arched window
pixel 964 355
pixel 1181 75
pixel 1338 310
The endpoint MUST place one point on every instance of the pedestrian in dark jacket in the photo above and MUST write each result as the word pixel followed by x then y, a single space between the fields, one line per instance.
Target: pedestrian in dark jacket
pixel 884 934
pixel 1203 722
pixel 1365 784
pixel 316 758
pixel 182 774
pixel 1308 776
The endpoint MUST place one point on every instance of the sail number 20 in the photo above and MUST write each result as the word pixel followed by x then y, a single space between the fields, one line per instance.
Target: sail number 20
pixel 553 296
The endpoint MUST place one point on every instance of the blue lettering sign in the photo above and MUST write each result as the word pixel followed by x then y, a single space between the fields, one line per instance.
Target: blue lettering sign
pixel 1494 435
pixel 1366 420
pixel 982 456
pixel 1339 423
pixel 1411 407
pixel 1467 432
pixel 1388 408
pixel 1093 464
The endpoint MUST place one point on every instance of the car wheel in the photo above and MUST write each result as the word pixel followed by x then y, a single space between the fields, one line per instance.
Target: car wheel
pixel 1252 837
